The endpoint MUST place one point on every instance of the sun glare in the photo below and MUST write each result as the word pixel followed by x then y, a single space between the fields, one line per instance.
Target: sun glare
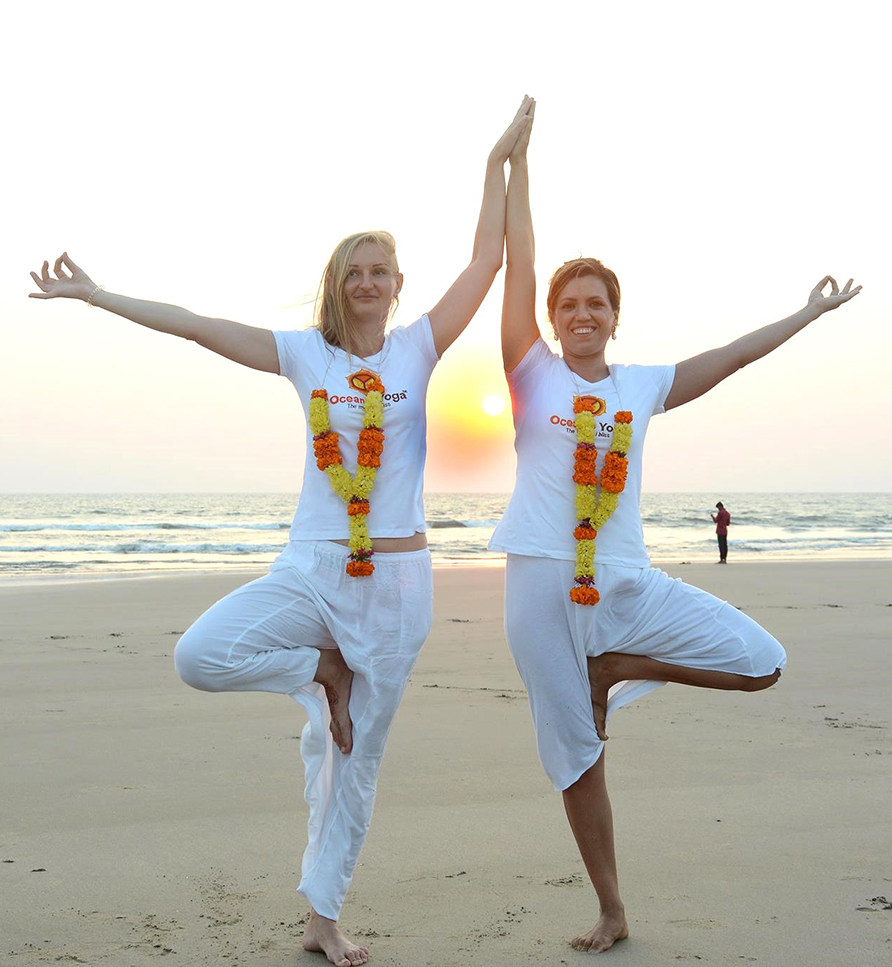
pixel 493 405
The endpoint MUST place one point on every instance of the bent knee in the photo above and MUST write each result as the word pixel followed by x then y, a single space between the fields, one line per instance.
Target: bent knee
pixel 763 681
pixel 193 666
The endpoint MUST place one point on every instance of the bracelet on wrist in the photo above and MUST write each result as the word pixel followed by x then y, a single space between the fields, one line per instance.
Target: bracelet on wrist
pixel 92 294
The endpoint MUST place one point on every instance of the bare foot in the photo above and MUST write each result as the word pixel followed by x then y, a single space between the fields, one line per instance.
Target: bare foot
pixel 336 677
pixel 323 937
pixel 602 677
pixel 604 934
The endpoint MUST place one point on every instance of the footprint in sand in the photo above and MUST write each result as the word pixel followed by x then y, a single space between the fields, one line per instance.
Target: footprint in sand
pixel 574 879
pixel 878 903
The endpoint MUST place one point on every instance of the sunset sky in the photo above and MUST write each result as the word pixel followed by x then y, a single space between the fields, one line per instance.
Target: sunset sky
pixel 721 159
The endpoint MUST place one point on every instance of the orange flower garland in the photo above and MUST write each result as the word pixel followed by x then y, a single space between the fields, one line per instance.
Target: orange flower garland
pixel 353 490
pixel 594 510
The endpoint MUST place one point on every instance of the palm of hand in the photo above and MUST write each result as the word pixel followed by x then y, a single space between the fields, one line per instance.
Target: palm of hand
pixel 78 285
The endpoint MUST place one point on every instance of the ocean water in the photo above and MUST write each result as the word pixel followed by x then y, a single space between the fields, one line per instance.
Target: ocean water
pixel 83 533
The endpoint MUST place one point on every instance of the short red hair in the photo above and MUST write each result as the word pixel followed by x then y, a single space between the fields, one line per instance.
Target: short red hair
pixel 576 268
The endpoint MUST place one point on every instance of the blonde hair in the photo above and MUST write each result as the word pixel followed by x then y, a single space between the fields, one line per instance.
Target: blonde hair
pixel 333 316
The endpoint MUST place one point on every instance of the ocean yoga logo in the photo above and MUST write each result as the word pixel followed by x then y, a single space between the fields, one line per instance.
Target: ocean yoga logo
pixel 362 379
pixel 593 404
pixel 354 401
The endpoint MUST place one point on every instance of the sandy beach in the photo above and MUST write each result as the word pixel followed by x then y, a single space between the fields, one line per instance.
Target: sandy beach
pixel 146 821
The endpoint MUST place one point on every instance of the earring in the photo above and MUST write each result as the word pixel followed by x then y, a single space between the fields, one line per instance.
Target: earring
pixel 613 333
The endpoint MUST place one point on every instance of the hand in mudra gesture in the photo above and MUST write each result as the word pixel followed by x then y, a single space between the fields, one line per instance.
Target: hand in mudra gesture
pixel 78 285
pixel 824 303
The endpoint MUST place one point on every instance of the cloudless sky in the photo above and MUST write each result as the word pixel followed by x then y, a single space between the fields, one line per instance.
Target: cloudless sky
pixel 720 158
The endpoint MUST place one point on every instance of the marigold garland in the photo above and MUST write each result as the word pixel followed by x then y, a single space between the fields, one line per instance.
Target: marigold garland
pixel 594 510
pixel 353 490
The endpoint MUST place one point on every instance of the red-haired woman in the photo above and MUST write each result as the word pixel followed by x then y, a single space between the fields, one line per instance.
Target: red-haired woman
pixel 590 623
pixel 328 627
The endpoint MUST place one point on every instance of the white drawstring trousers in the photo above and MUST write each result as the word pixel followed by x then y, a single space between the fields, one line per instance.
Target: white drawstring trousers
pixel 266 636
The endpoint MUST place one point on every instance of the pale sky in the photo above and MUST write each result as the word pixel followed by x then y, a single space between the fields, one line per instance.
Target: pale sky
pixel 720 159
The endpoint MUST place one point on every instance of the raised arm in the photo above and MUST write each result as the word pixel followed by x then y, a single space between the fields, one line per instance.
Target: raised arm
pixel 519 329
pixel 243 344
pixel 698 375
pixel 454 311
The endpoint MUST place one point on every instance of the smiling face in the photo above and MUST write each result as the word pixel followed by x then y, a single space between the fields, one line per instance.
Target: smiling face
pixel 583 316
pixel 370 285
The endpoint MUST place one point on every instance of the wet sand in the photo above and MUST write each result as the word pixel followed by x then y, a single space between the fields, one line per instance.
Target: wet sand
pixel 143 820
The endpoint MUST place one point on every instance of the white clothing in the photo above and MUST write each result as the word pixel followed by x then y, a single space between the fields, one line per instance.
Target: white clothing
pixel 266 636
pixel 642 611
pixel 404 364
pixel 541 514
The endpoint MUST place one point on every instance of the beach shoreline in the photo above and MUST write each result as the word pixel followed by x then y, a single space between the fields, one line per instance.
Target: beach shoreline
pixel 47 579
pixel 149 819
pixel 73 534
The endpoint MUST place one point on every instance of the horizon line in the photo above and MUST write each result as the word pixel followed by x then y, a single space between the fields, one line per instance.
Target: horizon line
pixel 478 493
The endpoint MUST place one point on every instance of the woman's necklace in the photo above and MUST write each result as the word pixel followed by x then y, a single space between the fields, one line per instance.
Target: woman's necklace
pixel 354 490
pixel 594 509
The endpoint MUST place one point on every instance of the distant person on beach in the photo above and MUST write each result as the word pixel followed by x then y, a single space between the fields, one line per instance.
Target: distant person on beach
pixel 721 521
pixel 580 426
pixel 326 625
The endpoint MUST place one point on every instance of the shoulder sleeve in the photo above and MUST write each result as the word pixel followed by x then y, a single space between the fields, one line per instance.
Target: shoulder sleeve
pixel 524 373
pixel 526 376
pixel 663 377
pixel 292 346
pixel 648 386
pixel 419 335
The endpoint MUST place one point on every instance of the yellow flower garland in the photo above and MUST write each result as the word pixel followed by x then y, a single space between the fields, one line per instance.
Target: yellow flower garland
pixel 594 510
pixel 354 490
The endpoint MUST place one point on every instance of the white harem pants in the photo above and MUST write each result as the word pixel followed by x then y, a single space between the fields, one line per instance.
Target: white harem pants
pixel 266 637
pixel 642 611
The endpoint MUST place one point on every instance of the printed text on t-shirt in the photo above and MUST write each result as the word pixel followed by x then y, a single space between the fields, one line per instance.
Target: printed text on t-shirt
pixel 360 400
pixel 602 428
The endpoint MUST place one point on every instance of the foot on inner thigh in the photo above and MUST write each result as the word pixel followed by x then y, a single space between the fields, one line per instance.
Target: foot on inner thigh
pixel 336 677
pixel 604 934
pixel 322 936
pixel 603 674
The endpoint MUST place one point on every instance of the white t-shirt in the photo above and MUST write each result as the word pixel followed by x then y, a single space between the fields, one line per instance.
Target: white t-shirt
pixel 404 364
pixel 541 514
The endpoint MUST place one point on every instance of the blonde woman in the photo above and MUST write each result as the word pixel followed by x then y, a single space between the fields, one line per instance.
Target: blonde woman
pixel 338 621
pixel 590 623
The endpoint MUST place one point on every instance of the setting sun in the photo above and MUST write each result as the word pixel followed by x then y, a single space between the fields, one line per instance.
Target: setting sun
pixel 493 405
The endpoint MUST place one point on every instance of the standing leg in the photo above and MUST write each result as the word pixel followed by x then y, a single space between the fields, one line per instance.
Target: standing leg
pixel 380 623
pixel 591 819
pixel 549 656
pixel 268 636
